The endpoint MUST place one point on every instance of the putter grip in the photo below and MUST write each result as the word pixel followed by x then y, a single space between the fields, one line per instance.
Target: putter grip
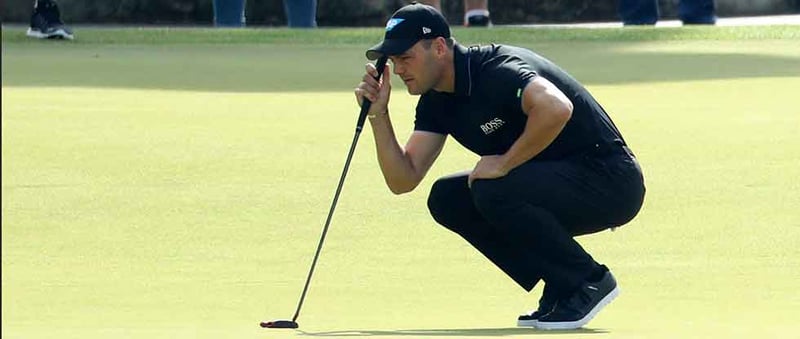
pixel 365 104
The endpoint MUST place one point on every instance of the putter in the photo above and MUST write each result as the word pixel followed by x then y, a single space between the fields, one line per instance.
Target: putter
pixel 365 105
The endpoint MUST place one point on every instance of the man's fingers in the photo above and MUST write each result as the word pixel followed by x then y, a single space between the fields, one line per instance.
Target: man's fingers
pixel 368 79
pixel 386 72
pixel 386 77
pixel 359 95
pixel 364 92
pixel 371 88
pixel 371 70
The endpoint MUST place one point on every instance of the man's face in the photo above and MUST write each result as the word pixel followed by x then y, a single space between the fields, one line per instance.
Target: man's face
pixel 417 67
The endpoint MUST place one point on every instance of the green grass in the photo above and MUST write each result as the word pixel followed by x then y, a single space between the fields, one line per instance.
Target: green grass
pixel 365 36
pixel 159 188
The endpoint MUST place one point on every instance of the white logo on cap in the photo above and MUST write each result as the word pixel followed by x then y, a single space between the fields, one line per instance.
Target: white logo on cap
pixel 393 22
pixel 426 30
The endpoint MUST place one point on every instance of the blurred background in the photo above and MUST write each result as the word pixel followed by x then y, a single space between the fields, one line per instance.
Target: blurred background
pixel 362 12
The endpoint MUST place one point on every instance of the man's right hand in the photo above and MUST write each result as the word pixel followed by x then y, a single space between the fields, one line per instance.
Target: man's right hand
pixel 377 92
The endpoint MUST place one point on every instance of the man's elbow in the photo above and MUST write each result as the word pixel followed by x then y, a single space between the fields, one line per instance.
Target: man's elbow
pixel 401 189
pixel 564 111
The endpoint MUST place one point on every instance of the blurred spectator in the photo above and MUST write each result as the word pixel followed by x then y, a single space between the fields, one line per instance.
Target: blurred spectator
pixel 645 12
pixel 476 12
pixel 301 13
pixel 46 22
pixel 229 13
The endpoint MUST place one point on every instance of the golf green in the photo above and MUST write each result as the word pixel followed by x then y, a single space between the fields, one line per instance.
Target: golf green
pixel 176 187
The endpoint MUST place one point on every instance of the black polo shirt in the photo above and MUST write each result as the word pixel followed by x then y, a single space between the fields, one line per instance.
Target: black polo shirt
pixel 485 112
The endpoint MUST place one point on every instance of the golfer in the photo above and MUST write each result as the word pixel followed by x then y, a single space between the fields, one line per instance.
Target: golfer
pixel 552 164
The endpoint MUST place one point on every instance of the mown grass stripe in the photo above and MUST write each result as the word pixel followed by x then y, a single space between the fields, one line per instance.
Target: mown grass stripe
pixel 361 36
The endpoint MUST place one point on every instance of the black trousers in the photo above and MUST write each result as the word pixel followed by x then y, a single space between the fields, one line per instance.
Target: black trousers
pixel 525 221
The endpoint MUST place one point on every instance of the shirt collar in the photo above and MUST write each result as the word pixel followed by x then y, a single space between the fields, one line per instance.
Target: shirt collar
pixel 463 73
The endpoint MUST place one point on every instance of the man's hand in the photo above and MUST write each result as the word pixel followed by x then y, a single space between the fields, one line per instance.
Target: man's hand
pixel 489 167
pixel 375 91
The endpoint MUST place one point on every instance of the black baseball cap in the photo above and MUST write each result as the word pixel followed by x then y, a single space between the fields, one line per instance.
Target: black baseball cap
pixel 408 25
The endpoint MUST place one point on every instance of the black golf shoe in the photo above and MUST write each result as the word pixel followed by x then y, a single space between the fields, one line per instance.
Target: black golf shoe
pixel 579 308
pixel 546 304
pixel 46 22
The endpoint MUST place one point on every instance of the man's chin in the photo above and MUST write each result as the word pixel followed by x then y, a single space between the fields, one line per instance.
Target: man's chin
pixel 414 91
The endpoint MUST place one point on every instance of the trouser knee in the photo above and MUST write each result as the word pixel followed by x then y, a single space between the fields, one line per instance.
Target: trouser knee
pixel 489 197
pixel 446 203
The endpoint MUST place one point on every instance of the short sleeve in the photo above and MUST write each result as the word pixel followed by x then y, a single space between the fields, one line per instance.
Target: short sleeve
pixel 427 111
pixel 508 80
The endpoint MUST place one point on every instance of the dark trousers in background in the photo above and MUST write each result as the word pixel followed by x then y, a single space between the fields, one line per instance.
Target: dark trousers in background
pixel 525 222
pixel 645 12
pixel 229 13
pixel 301 13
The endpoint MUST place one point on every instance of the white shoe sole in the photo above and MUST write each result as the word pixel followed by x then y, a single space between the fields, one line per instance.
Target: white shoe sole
pixel 571 325
pixel 59 33
pixel 35 34
pixel 527 323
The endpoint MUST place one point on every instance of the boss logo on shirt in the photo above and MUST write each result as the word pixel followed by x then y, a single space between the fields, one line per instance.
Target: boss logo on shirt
pixel 492 125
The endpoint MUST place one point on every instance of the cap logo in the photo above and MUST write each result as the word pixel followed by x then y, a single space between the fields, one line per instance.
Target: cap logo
pixel 426 30
pixel 393 22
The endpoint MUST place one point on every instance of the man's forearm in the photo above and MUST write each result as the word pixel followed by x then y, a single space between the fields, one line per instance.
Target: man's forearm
pixel 536 137
pixel 398 172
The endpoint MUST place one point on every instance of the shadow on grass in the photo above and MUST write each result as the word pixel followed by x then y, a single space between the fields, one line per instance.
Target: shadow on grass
pixel 270 68
pixel 468 332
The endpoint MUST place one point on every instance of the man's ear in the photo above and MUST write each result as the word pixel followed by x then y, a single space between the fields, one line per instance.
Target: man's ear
pixel 441 46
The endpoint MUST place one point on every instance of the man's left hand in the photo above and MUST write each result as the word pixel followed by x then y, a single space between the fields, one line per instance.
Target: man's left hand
pixel 489 167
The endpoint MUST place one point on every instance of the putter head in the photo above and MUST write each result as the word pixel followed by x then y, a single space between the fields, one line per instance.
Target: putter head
pixel 279 324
